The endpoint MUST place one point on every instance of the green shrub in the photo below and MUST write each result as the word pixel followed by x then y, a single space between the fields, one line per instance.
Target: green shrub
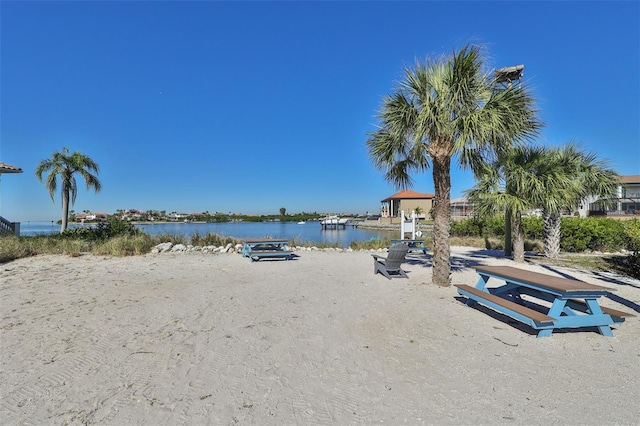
pixel 598 234
pixel 467 228
pixel 494 227
pixel 578 234
pixel 632 236
pixel 533 227
pixel 113 227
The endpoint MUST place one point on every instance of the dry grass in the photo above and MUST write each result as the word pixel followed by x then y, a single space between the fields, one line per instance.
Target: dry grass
pixel 12 247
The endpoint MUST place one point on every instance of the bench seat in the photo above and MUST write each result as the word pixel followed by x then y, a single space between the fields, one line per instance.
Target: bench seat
pixel 259 254
pixel 617 315
pixel 527 315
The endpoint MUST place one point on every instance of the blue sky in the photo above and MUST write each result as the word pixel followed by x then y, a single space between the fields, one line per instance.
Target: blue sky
pixel 247 107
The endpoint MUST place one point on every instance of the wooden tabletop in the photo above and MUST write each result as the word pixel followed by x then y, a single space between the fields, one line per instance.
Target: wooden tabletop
pixel 543 280
pixel 265 240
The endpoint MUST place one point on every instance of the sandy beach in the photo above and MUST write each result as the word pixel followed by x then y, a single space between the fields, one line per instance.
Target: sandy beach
pixel 215 339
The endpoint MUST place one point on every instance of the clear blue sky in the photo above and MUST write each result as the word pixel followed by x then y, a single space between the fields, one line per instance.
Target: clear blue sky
pixel 247 107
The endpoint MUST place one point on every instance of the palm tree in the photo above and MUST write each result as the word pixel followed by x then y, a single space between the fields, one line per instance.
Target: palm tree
pixel 549 178
pixel 442 109
pixel 587 176
pixel 65 165
pixel 519 180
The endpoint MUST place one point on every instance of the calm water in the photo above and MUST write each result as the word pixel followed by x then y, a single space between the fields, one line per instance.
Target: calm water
pixel 310 232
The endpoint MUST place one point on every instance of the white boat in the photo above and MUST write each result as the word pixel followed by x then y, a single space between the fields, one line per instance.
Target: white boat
pixel 302 222
pixel 333 220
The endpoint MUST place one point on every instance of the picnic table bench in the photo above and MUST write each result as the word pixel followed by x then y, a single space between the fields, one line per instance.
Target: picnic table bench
pixel 259 248
pixel 574 303
pixel 414 245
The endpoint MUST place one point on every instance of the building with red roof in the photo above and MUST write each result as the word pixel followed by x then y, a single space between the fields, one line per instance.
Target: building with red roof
pixel 408 201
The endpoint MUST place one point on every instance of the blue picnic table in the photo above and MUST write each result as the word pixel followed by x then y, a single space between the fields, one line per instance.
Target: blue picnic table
pixel 574 303
pixel 260 248
pixel 414 245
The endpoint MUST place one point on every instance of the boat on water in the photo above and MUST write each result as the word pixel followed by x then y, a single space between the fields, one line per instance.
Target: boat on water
pixel 334 220
pixel 302 222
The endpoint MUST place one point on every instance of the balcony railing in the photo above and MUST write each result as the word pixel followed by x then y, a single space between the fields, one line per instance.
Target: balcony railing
pixel 7 227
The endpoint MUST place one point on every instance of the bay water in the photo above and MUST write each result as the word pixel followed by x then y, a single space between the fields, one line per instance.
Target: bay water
pixel 310 232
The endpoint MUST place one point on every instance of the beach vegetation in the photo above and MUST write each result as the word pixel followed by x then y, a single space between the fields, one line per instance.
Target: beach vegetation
pixel 111 227
pixel 479 233
pixel 124 245
pixel 579 235
pixel 64 165
pixel 212 239
pixel 445 109
pixel 373 244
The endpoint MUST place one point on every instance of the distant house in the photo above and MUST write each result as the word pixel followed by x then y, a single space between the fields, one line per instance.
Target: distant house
pixel 406 201
pixel 461 209
pixel 132 214
pixel 625 203
pixel 177 216
pixel 85 216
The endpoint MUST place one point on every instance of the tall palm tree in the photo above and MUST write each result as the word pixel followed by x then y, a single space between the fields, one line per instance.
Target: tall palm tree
pixel 450 107
pixel 587 177
pixel 520 179
pixel 65 165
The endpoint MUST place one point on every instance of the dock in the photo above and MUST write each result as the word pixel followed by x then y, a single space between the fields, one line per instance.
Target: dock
pixel 335 222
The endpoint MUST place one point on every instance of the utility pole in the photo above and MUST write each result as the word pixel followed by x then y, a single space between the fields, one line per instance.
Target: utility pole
pixel 506 76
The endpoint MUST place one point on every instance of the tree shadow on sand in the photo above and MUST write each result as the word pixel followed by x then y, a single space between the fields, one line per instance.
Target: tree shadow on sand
pixel 608 277
pixel 460 261
pixel 478 257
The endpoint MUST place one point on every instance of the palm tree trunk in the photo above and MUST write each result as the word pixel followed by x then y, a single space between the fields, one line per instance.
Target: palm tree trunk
pixel 518 239
pixel 65 209
pixel 551 234
pixel 442 218
pixel 508 248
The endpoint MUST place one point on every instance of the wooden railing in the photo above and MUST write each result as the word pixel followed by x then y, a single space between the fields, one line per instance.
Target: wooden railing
pixel 7 227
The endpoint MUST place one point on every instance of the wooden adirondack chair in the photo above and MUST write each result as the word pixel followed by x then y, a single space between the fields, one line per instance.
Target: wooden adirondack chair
pixel 390 266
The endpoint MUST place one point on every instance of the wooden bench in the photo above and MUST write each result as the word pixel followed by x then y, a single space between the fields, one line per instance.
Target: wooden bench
pixel 618 316
pixel 512 309
pixel 256 255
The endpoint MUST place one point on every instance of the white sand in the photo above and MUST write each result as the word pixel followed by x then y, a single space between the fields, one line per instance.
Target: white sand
pixel 215 339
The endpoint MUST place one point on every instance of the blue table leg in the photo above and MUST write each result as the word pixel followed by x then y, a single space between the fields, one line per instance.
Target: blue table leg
pixel 556 310
pixel 594 308
pixel 480 285
pixel 482 282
